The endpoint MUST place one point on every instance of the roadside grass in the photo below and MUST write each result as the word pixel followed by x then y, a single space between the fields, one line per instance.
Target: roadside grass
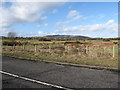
pixel 68 58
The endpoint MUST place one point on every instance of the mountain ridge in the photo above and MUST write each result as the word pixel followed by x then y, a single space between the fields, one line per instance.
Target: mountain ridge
pixel 68 36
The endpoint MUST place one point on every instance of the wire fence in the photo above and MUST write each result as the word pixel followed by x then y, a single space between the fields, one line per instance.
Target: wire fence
pixel 109 51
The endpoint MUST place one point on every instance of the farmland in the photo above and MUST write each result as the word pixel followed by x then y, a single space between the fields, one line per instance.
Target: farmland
pixel 84 51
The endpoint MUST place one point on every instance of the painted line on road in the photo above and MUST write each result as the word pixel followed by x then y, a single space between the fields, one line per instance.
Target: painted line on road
pixel 35 81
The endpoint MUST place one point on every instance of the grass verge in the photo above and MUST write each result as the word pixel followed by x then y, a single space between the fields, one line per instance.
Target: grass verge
pixel 72 59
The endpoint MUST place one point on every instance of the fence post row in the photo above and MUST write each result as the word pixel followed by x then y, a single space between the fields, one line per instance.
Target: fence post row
pixel 96 50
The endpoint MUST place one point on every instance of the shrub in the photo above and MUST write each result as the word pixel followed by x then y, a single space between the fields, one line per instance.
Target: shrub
pixel 44 39
pixel 9 43
pixel 77 42
pixel 106 39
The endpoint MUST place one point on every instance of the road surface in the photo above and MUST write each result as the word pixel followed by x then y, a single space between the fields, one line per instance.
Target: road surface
pixel 19 73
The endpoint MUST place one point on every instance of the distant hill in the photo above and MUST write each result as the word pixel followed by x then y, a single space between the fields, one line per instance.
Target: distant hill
pixel 2 37
pixel 67 37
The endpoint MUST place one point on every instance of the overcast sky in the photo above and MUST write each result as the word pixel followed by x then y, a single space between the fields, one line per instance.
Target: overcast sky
pixel 93 19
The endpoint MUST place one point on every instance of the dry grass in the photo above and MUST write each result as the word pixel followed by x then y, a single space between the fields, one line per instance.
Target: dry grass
pixel 98 53
pixel 69 58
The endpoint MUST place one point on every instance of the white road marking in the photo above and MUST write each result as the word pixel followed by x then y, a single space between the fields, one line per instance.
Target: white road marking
pixel 35 81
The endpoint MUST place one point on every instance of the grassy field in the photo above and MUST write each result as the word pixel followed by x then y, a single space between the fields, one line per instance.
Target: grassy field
pixel 56 51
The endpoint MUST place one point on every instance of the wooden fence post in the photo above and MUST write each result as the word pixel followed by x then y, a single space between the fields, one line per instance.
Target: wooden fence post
pixel 113 51
pixel 65 50
pixel 23 46
pixel 35 48
pixel 13 46
pixel 85 49
pixel 49 48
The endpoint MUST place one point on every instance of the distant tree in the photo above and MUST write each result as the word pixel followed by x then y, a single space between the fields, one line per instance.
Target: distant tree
pixel 11 34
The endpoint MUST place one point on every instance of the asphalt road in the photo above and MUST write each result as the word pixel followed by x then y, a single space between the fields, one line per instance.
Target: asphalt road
pixel 65 76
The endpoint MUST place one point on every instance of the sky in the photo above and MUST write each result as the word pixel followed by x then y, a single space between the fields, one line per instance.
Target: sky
pixel 93 19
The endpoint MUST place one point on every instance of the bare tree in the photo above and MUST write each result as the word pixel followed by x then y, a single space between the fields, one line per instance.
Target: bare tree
pixel 11 34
